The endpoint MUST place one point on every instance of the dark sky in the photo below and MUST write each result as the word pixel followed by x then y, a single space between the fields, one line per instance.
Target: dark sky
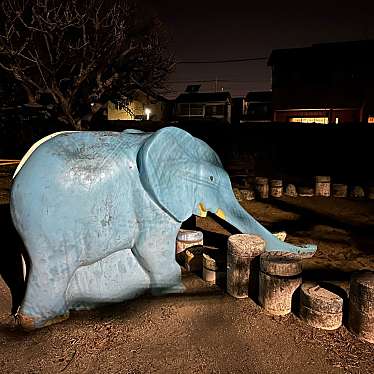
pixel 211 30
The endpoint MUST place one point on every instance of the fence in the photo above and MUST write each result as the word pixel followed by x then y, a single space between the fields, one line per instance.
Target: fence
pixel 344 152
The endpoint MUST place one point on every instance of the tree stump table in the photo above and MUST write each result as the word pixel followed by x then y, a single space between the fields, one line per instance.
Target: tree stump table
pixel 320 307
pixel 361 305
pixel 276 188
pixel 323 186
pixel 242 250
pixel 280 276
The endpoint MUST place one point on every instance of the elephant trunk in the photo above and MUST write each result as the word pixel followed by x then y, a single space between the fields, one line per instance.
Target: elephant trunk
pixel 238 217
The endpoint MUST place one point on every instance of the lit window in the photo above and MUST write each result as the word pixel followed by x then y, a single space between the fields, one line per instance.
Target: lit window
pixel 371 119
pixel 323 120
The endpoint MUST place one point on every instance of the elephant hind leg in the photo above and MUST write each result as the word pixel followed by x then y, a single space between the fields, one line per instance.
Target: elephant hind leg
pixel 30 323
pixel 44 302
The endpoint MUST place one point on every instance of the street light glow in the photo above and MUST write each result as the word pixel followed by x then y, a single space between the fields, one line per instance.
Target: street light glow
pixel 147 112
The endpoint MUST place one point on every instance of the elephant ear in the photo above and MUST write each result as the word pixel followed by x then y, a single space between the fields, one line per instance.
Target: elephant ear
pixel 169 163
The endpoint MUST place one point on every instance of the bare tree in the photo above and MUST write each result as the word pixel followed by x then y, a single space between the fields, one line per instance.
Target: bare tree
pixel 82 53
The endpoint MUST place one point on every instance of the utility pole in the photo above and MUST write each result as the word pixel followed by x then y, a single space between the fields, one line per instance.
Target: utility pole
pixel 216 84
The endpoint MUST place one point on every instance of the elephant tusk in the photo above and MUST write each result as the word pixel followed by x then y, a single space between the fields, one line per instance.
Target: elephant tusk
pixel 202 210
pixel 281 235
pixel 221 214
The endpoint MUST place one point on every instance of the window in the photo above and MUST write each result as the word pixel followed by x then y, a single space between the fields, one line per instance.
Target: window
pixel 371 119
pixel 220 110
pixel 184 109
pixel 322 120
pixel 196 110
pixel 215 110
pixel 191 110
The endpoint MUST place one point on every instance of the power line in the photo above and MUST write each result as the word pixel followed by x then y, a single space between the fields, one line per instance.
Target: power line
pixel 220 80
pixel 222 61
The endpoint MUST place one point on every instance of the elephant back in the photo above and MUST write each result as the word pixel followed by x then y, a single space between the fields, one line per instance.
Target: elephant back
pixel 35 146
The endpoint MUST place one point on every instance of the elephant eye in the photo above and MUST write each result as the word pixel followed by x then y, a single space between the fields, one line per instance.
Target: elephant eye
pixel 211 178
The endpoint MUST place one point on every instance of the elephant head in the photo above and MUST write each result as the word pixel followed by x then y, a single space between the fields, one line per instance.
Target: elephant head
pixel 184 176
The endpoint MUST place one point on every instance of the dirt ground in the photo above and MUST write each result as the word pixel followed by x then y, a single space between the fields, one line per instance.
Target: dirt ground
pixel 206 330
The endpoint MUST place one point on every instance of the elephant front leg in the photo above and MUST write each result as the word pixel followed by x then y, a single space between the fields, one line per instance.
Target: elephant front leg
pixel 155 252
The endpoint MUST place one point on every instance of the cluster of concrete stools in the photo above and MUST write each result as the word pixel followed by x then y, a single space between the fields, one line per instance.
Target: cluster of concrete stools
pixel 274 281
pixel 263 188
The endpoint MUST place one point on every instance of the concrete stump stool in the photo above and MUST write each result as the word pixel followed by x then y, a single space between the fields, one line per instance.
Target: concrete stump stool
pixel 280 276
pixel 276 188
pixel 305 191
pixel 339 190
pixel 357 192
pixel 238 194
pixel 262 187
pixel 291 190
pixel 361 305
pixel 188 238
pixel 242 250
pixel 323 186
pixel 371 193
pixel 320 307
pixel 248 194
pixel 210 269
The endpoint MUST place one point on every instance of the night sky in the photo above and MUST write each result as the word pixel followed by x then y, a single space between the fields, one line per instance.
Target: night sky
pixel 216 30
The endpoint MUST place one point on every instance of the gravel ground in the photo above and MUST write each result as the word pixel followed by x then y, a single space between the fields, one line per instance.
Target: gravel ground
pixel 205 330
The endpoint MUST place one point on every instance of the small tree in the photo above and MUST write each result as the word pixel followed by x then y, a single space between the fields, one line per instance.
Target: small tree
pixel 78 54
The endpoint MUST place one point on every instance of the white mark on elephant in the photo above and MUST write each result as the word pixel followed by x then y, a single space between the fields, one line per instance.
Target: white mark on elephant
pixel 35 146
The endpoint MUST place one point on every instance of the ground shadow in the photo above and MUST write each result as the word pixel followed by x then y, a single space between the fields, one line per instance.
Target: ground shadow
pixel 310 216
pixel 361 233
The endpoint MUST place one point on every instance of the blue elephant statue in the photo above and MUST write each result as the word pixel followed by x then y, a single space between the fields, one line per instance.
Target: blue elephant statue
pixel 99 213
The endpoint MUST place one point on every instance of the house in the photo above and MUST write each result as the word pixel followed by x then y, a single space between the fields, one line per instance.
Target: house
pixel 258 107
pixel 324 83
pixel 141 106
pixel 204 106
pixel 237 110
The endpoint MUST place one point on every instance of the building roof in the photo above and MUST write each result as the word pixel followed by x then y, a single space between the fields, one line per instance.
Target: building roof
pixel 260 96
pixel 203 97
pixel 353 50
pixel 154 95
